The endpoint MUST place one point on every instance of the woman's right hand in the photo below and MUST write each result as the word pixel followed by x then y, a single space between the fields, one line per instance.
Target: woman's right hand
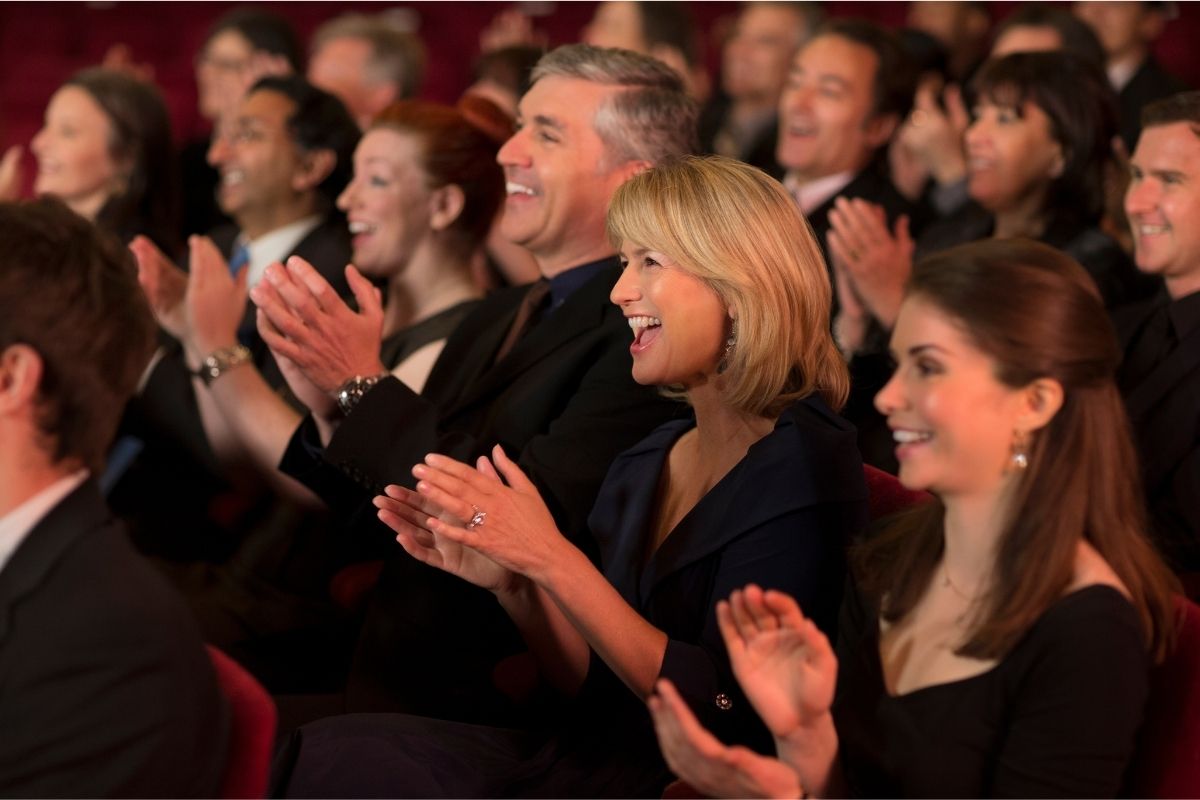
pixel 781 659
pixel 164 284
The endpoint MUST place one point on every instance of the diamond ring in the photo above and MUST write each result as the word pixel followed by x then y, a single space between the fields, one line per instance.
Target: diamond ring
pixel 477 518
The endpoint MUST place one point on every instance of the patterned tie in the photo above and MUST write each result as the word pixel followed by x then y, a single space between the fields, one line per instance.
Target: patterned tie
pixel 530 304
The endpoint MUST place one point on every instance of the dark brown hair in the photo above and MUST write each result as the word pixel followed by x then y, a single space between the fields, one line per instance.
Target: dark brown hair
pixel 458 146
pixel 1036 314
pixel 1082 108
pixel 140 140
pixel 70 292
pixel 1181 107
pixel 895 80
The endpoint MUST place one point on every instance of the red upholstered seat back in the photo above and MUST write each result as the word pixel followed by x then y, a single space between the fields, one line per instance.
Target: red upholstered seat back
pixel 1167 761
pixel 887 495
pixel 252 729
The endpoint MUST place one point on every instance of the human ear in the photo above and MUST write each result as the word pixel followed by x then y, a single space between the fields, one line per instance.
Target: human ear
pixel 21 369
pixel 445 206
pixel 1041 400
pixel 314 167
pixel 879 128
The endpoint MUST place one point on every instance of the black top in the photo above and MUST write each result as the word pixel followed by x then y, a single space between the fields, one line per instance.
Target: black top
pixel 1056 717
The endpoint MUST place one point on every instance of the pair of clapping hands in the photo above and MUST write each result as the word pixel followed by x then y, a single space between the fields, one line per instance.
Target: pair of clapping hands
pixel 317 339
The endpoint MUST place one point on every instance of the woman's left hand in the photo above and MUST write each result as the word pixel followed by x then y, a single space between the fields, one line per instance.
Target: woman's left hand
pixel 716 770
pixel 509 524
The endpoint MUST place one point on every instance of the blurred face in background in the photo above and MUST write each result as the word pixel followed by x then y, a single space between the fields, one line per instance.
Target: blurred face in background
pixel 72 150
pixel 1012 156
pixel 758 55
pixel 223 73
pixel 617 23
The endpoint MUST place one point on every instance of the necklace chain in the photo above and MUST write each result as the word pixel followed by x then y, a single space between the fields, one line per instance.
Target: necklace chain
pixel 948 583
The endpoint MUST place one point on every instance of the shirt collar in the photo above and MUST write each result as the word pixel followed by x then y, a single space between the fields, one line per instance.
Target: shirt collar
pixel 812 195
pixel 275 246
pixel 1119 75
pixel 565 283
pixel 20 522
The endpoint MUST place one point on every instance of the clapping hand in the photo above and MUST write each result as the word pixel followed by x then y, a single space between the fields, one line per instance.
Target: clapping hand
pixel 314 328
pixel 716 770
pixel 408 513
pixel 509 524
pixel 781 659
pixel 877 260
pixel 215 301
pixel 164 283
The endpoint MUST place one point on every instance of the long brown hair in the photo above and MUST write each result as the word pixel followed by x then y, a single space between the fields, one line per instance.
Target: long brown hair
pixel 1036 314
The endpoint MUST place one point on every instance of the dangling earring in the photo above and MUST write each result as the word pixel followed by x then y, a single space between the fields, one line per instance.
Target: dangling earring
pixel 1020 455
pixel 723 364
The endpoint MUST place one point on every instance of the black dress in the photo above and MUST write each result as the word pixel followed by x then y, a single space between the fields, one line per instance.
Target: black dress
pixel 1056 717
pixel 780 518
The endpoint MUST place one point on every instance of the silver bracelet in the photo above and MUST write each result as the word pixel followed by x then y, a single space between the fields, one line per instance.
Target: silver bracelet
pixel 221 361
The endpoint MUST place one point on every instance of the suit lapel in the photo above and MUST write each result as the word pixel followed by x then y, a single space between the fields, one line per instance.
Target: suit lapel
pixel 1182 362
pixel 582 312
pixel 77 514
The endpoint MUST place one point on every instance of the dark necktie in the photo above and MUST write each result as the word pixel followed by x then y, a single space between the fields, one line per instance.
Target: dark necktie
pixel 531 303
pixel 1152 347
pixel 239 259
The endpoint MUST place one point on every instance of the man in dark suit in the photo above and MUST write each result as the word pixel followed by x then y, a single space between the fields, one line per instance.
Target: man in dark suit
pixel 849 88
pixel 557 394
pixel 1127 31
pixel 283 159
pixel 1160 376
pixel 105 687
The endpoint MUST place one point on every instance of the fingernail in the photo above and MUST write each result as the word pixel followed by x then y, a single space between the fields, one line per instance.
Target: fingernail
pixel 422 487
pixel 419 470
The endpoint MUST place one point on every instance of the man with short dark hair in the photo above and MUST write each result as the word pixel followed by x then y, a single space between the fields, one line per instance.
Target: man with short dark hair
pixel 105 688
pixel 367 62
pixel 1160 376
pixel 848 90
pixel 542 370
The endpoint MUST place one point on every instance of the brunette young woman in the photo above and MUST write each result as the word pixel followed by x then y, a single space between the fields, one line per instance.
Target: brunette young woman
pixel 998 639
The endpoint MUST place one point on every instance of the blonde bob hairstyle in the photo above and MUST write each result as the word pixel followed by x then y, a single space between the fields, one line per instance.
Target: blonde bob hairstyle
pixel 738 230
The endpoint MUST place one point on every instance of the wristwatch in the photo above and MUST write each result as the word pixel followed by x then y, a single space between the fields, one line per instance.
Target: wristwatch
pixel 221 361
pixel 352 391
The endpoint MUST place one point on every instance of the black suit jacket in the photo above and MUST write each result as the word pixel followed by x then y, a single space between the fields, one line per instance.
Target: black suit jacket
pixel 562 403
pixel 1164 410
pixel 105 687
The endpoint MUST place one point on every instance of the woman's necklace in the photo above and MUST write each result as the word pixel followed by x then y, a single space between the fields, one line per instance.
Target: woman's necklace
pixel 954 587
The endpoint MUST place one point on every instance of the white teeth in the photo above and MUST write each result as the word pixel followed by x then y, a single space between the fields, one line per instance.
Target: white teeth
pixel 517 188
pixel 637 323
pixel 979 163
pixel 1151 230
pixel 361 227
pixel 908 437
pixel 232 176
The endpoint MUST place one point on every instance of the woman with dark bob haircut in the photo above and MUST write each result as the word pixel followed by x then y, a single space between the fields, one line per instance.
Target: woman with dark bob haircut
pixel 1038 149
pixel 105 151
pixel 998 639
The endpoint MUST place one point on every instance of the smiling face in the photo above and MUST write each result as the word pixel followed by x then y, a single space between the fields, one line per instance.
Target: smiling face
pixel 1012 156
pixel 679 322
pixel 259 163
pixel 1163 205
pixel 559 174
pixel 72 150
pixel 387 202
pixel 952 419
pixel 826 120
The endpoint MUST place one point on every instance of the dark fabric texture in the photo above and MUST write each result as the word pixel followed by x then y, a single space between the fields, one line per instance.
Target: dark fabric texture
pixel 1056 717
pixel 1163 401
pixel 105 686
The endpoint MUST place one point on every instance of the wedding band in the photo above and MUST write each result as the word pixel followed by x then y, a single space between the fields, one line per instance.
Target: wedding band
pixel 477 518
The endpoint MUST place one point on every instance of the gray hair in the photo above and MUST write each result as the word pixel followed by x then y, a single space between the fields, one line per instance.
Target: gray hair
pixel 652 120
pixel 397 56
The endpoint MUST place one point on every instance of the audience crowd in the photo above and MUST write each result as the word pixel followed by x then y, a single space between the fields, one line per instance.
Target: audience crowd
pixel 826 426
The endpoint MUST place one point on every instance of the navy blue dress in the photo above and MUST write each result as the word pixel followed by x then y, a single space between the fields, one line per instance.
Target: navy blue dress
pixel 780 518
